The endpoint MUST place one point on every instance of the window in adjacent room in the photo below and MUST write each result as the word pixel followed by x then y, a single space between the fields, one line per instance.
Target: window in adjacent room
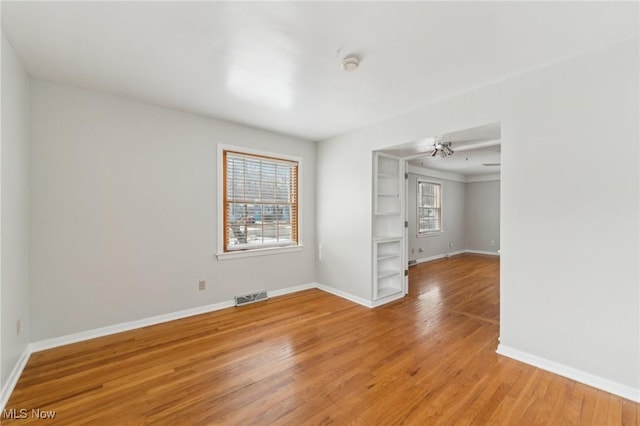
pixel 429 208
pixel 260 201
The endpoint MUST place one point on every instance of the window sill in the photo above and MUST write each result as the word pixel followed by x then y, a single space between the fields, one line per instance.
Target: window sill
pixel 257 252
pixel 430 234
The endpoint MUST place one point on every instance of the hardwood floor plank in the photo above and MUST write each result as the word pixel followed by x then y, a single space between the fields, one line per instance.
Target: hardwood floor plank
pixel 313 358
pixel 630 413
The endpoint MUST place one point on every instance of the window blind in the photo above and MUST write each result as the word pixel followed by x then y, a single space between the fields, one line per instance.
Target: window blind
pixel 260 201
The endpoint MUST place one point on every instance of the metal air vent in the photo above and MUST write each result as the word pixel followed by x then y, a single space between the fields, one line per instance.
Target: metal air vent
pixel 250 298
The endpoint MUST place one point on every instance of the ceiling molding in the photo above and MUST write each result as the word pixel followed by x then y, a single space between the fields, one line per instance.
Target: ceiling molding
pixel 489 177
pixel 456 177
pixel 423 171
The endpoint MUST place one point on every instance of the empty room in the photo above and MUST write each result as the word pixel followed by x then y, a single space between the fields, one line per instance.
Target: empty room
pixel 320 213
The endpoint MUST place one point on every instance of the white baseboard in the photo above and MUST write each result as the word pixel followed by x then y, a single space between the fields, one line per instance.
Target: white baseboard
pixel 598 382
pixel 281 292
pixel 455 253
pixel 41 345
pixel 12 380
pixel 145 322
pixel 439 256
pixel 388 299
pixel 158 319
pixel 359 300
pixel 345 295
pixel 125 326
pixel 488 253
pixel 55 342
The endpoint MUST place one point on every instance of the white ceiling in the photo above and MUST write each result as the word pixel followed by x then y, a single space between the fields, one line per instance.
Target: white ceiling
pixel 276 65
pixel 467 163
pixel 473 148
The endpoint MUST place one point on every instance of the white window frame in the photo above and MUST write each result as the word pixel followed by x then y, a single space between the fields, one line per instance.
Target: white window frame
pixel 262 251
pixel 435 232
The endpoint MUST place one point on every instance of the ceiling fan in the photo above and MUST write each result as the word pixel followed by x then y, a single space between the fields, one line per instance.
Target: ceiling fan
pixel 442 148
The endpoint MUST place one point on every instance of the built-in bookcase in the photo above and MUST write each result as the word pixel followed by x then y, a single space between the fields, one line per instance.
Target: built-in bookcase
pixel 388 226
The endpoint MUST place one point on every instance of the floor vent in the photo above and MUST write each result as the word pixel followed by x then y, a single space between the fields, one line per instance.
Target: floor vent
pixel 250 298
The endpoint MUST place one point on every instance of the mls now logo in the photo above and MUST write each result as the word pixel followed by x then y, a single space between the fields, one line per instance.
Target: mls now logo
pixel 23 413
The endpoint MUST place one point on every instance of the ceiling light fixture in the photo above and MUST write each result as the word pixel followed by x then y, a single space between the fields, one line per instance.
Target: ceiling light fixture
pixel 350 63
pixel 442 148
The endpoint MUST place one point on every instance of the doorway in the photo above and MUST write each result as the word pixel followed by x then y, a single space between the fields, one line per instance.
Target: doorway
pixel 451 195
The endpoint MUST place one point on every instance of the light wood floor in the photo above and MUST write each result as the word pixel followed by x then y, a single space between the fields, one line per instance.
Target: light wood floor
pixel 313 358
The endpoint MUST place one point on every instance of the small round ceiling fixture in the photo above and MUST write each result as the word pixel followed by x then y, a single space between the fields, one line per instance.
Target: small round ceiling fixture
pixel 350 63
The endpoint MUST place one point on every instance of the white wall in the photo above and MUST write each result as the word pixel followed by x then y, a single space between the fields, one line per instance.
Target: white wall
pixel 453 215
pixel 344 206
pixel 569 279
pixel 123 212
pixel 482 216
pixel 15 209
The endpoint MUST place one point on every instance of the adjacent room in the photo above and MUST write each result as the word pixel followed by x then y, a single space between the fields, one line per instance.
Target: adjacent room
pixel 320 212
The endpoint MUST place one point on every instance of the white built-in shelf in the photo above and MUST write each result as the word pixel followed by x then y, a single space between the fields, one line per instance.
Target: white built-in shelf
pixel 389 273
pixel 387 176
pixel 386 238
pixel 388 227
pixel 387 291
pixel 388 256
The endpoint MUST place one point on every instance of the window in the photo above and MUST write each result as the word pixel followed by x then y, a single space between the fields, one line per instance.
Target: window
pixel 260 201
pixel 429 207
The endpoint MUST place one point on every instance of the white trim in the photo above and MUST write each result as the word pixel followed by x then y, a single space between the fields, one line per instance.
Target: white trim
pixel 288 290
pixel 430 233
pixel 12 380
pixel 55 342
pixel 388 299
pixel 257 252
pixel 345 295
pixel 598 382
pixel 423 171
pixel 453 176
pixel 488 253
pixel 253 151
pixel 455 253
pixel 440 256
pixel 145 322
pixel 435 232
pixel 126 326
pixel 489 177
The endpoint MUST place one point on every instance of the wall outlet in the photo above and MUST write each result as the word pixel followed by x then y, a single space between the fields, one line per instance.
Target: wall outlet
pixel 450 244
pixel 202 285
pixel 18 327
pixel 492 242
